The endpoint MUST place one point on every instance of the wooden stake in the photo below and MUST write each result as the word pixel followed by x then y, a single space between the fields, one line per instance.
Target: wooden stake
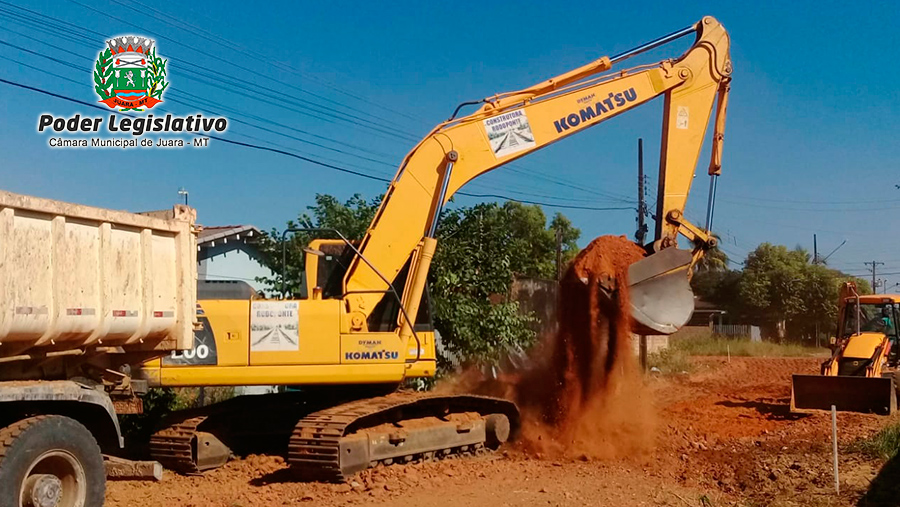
pixel 837 483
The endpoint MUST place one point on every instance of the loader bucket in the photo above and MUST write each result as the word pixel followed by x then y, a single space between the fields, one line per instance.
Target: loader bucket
pixel 660 293
pixel 848 394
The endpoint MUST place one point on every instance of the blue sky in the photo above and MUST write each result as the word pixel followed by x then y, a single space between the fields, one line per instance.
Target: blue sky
pixel 810 141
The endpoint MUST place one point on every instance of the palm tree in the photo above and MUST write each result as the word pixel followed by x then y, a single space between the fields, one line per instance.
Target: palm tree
pixel 715 259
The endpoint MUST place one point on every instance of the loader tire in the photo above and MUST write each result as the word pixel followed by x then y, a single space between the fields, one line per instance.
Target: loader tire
pixel 50 461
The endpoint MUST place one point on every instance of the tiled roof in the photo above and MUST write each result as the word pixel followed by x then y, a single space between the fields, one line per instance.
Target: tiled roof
pixel 210 234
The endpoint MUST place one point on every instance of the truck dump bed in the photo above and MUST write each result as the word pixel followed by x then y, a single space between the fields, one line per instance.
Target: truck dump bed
pixel 76 277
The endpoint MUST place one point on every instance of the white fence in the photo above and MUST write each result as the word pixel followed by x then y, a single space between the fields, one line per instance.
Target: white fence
pixel 738 331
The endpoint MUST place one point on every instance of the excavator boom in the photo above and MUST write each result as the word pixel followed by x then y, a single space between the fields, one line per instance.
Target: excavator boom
pixel 512 125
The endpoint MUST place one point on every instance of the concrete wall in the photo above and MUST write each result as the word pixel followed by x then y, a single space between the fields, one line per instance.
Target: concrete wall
pixel 539 296
pixel 655 344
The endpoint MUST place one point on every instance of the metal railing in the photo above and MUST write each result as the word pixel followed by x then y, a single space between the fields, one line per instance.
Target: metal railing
pixel 732 330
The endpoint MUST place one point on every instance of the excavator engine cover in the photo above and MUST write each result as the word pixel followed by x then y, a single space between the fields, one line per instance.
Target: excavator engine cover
pixel 659 291
pixel 848 394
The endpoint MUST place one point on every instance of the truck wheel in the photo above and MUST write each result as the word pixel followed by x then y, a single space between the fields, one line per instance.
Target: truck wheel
pixel 50 461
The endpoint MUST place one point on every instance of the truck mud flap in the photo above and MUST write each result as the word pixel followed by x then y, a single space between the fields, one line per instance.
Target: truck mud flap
pixel 847 394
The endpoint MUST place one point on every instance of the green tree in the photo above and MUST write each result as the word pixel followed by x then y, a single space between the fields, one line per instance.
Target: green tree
pixel 568 237
pixel 779 290
pixel 770 286
pixel 715 259
pixel 709 275
pixel 718 286
pixel 351 218
pixel 480 249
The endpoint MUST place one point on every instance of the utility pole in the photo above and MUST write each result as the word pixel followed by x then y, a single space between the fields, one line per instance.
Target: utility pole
pixel 558 254
pixel 642 203
pixel 815 251
pixel 874 265
pixel 640 234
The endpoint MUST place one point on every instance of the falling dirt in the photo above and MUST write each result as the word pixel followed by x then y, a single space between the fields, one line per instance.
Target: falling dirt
pixel 583 395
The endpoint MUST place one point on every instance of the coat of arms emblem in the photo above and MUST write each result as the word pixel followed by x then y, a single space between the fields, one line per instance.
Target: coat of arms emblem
pixel 129 74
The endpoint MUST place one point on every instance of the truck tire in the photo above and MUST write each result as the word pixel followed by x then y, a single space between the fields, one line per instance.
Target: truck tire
pixel 50 461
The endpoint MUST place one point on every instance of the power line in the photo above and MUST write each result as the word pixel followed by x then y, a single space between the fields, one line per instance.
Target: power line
pixel 225 41
pixel 229 141
pixel 308 159
pixel 283 66
pixel 795 201
pixel 412 137
pixel 515 168
pixel 196 99
pixel 239 82
pixel 68 64
pixel 197 31
pixel 177 93
pixel 209 83
pixel 592 208
pixel 789 208
pixel 248 123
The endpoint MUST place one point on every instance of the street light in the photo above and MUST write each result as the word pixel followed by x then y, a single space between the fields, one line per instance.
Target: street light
pixel 183 192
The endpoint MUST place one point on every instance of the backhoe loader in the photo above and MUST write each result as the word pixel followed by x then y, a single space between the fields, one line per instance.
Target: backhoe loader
pixel 860 375
pixel 365 325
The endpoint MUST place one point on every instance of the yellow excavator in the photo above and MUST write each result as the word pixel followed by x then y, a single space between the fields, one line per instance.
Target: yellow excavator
pixel 860 375
pixel 365 325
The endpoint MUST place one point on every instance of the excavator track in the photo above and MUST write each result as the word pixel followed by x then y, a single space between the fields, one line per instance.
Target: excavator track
pixel 173 446
pixel 336 443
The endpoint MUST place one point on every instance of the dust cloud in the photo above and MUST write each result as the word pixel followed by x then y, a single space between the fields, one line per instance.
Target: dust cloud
pixel 583 394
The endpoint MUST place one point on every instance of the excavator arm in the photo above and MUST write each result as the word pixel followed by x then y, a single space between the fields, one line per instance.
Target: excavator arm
pixel 513 125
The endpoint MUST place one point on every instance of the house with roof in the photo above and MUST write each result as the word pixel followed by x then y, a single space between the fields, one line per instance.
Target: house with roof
pixel 228 265
pixel 230 253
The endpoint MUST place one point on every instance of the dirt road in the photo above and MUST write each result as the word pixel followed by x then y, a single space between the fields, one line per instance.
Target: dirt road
pixel 725 437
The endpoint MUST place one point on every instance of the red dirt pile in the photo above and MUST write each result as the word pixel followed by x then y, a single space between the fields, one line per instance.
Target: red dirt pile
pixel 584 396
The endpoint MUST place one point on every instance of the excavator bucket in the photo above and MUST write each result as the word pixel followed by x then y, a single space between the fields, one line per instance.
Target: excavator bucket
pixel 848 394
pixel 660 292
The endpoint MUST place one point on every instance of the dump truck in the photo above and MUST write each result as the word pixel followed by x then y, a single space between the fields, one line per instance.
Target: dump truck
pixel 87 293
pixel 861 374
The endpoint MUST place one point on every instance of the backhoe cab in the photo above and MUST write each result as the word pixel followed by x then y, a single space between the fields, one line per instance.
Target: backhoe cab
pixel 860 375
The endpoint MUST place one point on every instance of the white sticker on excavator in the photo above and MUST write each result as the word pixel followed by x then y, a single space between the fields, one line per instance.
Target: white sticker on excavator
pixel 509 133
pixel 274 326
pixel 681 121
